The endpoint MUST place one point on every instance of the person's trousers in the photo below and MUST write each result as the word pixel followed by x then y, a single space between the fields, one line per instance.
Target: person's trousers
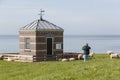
pixel 85 57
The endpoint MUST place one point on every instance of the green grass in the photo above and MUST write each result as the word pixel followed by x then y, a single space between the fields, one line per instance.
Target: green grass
pixel 100 67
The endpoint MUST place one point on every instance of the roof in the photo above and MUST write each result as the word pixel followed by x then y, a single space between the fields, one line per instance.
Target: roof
pixel 41 24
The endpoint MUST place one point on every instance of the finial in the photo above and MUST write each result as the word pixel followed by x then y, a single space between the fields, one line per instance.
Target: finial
pixel 41 14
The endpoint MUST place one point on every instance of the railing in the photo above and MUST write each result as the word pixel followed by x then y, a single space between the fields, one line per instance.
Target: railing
pixel 44 58
pixel 38 58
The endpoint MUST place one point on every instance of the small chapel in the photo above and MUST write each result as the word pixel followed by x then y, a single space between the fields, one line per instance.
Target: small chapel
pixel 40 41
pixel 41 38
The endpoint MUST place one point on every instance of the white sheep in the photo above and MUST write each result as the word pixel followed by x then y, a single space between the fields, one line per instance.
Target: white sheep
pixel 80 56
pixel 9 59
pixel 115 55
pixel 1 57
pixel 110 52
pixel 64 60
pixel 71 59
pixel 119 55
pixel 91 54
pixel 60 59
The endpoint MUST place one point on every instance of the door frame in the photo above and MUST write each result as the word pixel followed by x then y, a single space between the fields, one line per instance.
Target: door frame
pixel 52 44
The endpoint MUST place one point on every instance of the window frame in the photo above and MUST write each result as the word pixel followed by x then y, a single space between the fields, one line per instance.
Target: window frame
pixel 27 43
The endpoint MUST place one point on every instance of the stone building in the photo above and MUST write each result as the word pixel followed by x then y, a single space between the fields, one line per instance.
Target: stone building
pixel 41 37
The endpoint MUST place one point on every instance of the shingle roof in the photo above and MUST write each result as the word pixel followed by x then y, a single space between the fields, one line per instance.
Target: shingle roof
pixel 41 25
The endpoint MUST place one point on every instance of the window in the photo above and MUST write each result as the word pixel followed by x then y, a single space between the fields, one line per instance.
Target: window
pixel 27 43
pixel 58 46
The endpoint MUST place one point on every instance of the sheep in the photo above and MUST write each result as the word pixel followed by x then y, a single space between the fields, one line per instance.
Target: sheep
pixel 119 55
pixel 80 56
pixel 1 57
pixel 91 54
pixel 112 54
pixel 115 55
pixel 9 59
pixel 64 60
pixel 71 59
pixel 60 59
pixel 109 52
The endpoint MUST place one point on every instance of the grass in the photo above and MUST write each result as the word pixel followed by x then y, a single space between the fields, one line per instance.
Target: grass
pixel 100 67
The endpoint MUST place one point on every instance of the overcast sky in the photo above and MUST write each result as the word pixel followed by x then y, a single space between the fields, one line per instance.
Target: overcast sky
pixel 76 17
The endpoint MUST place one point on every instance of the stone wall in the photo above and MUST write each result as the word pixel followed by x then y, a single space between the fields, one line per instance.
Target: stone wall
pixel 38 42
pixel 27 34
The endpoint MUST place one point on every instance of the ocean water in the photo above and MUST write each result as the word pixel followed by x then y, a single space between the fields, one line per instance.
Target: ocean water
pixel 9 43
pixel 98 44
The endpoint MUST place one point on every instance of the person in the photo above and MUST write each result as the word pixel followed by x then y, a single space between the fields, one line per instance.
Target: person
pixel 86 49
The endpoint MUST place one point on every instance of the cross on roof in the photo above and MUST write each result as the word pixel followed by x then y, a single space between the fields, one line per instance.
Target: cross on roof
pixel 41 14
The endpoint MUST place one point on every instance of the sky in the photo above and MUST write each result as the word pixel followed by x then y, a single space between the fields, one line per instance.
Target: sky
pixel 76 17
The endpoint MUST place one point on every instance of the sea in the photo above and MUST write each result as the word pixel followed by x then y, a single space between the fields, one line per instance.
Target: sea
pixel 72 43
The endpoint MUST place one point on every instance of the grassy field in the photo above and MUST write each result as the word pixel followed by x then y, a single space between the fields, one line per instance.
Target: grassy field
pixel 98 68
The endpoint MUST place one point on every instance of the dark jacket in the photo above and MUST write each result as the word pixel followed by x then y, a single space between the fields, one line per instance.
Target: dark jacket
pixel 86 49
